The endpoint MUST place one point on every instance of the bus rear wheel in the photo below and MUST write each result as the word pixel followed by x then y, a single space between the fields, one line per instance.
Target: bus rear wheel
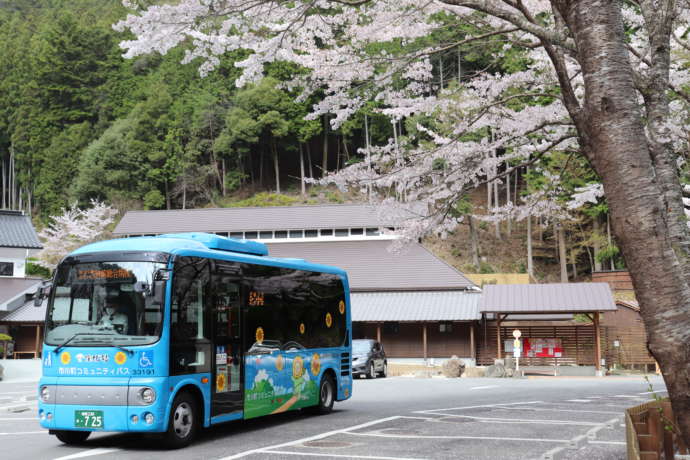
pixel 326 396
pixel 183 424
pixel 72 437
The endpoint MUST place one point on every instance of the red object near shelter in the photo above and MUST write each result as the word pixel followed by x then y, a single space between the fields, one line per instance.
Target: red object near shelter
pixel 542 348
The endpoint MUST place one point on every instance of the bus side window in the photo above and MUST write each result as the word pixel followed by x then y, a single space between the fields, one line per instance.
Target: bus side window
pixel 190 345
pixel 263 304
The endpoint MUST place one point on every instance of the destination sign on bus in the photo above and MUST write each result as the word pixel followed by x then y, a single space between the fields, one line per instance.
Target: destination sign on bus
pixel 107 273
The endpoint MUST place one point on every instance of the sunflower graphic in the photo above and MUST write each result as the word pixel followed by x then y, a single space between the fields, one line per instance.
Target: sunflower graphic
pixel 220 383
pixel 65 358
pixel 301 328
pixel 315 364
pixel 259 336
pixel 120 358
pixel 280 362
pixel 329 320
pixel 297 367
pixel 341 307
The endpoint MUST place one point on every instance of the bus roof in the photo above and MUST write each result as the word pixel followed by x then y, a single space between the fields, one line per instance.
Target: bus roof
pixel 204 245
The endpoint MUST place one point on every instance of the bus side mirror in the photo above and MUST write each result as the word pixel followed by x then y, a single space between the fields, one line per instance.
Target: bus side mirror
pixel 42 293
pixel 159 292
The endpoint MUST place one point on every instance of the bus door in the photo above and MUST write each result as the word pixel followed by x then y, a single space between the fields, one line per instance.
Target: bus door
pixel 227 391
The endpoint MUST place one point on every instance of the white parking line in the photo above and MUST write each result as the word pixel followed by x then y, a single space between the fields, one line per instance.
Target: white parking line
pixel 23 432
pixel 542 409
pixel 310 438
pixel 653 392
pixel 614 443
pixel 484 387
pixel 431 411
pixel 486 438
pixel 88 453
pixel 312 454
pixel 578 400
pixel 517 420
pixel 17 418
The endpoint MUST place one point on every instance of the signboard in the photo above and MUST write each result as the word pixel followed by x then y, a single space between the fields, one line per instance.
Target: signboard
pixel 543 348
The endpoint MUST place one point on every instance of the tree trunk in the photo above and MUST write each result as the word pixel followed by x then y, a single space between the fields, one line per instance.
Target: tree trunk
pixel 324 158
pixel 596 229
pixel 652 241
pixel 509 222
pixel 608 236
pixel 276 167
pixel 168 204
pixel 261 168
pixel 562 258
pixel 474 241
pixel 530 261
pixel 184 191
pixel 301 170
pixel 311 171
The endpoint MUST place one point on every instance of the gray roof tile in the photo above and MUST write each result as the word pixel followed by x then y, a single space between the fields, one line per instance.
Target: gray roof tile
pixel 16 231
pixel 415 306
pixel 27 313
pixel 372 267
pixel 248 219
pixel 546 298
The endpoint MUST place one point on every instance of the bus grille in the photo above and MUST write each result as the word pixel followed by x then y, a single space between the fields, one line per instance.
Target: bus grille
pixel 345 366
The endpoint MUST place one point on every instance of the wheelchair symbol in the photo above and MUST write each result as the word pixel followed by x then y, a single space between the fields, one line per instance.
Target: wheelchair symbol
pixel 144 360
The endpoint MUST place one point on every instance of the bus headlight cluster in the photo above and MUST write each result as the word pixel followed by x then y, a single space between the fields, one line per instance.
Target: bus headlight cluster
pixel 147 395
pixel 149 418
pixel 45 394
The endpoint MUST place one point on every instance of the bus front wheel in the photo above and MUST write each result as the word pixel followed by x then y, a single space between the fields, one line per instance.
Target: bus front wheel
pixel 72 437
pixel 183 424
pixel 326 396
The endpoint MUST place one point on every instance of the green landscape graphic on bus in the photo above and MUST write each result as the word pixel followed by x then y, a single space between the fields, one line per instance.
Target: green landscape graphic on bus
pixel 280 383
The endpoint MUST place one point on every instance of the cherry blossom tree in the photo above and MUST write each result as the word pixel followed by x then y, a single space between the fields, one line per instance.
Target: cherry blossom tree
pixel 75 227
pixel 606 79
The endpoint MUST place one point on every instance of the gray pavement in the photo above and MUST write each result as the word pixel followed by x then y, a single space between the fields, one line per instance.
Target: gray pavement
pixel 394 418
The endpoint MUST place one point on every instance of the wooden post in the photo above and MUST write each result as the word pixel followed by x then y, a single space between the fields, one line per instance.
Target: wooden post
pixel 597 343
pixel 473 351
pixel 378 333
pixel 38 335
pixel 498 336
pixel 424 341
pixel 577 347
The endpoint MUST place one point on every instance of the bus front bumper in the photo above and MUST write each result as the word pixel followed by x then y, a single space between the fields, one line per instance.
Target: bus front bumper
pixel 102 408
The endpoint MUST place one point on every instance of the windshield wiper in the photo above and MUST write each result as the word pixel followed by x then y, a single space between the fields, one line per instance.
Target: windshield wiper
pixel 63 344
pixel 120 347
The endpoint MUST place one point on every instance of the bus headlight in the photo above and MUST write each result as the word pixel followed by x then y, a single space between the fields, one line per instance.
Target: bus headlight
pixel 45 394
pixel 147 395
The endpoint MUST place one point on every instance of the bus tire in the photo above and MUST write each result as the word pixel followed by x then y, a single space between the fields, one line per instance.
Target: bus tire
pixel 326 396
pixel 183 423
pixel 72 437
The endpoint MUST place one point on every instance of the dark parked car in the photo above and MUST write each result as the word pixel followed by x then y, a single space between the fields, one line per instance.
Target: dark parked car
pixel 368 358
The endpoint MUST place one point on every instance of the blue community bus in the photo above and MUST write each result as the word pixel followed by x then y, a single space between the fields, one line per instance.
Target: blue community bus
pixel 177 332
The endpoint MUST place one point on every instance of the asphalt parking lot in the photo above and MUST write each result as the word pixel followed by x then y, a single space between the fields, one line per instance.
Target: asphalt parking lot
pixel 395 418
pixel 589 428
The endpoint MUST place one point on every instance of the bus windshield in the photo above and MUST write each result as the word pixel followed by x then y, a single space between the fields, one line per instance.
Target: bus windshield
pixel 103 304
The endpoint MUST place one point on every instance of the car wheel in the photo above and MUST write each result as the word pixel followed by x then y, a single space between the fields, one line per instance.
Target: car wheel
pixel 326 396
pixel 384 370
pixel 372 371
pixel 183 424
pixel 72 437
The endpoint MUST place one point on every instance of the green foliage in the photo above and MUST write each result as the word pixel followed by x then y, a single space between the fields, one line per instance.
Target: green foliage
pixel 5 337
pixel 33 269
pixel 265 199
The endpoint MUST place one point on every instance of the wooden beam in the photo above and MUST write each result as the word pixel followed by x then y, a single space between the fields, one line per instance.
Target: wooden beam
pixel 424 340
pixel 378 332
pixel 597 342
pixel 38 339
pixel 498 335
pixel 473 351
